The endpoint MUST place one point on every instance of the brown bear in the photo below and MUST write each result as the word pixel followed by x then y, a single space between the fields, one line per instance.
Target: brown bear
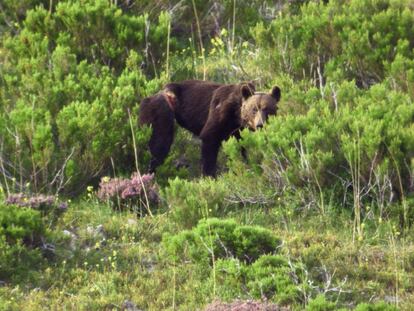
pixel 209 110
pixel 228 117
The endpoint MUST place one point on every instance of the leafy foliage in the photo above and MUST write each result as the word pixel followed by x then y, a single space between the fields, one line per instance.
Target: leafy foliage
pixel 270 278
pixel 320 304
pixel 214 238
pixel 20 229
pixel 191 201
pixel 337 41
pixel 352 140
pixel 68 92
pixel 331 175
pixel 19 223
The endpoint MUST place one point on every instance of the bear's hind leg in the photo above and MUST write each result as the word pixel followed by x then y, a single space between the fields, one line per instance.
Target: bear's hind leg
pixel 157 113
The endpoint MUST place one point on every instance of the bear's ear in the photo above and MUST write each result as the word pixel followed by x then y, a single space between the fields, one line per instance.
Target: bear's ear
pixel 276 93
pixel 172 88
pixel 247 90
pixel 251 85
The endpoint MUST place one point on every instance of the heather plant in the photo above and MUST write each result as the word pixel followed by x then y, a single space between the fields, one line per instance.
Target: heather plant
pixel 136 193
pixel 50 207
pixel 39 202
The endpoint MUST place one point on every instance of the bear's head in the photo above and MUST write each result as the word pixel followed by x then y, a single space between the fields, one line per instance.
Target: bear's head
pixel 230 97
pixel 256 109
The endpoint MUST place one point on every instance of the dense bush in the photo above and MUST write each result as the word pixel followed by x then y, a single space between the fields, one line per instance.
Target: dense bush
pixel 241 258
pixel 270 277
pixel 192 201
pixel 357 41
pixel 47 204
pixel 71 80
pixel 214 238
pixel 17 261
pixel 21 228
pixel 72 74
pixel 320 303
pixel 20 223
pixel 380 306
pixel 355 144
pixel 344 132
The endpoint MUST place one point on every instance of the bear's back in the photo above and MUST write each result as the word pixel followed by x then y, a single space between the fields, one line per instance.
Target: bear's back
pixel 193 102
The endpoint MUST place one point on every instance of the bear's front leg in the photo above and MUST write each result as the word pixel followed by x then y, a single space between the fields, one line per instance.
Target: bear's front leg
pixel 209 152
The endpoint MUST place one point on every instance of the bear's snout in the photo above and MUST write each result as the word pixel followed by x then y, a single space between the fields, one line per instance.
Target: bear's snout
pixel 259 120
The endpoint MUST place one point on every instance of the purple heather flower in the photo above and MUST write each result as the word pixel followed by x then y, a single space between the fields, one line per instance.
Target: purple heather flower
pixel 36 202
pixel 63 206
pixel 127 189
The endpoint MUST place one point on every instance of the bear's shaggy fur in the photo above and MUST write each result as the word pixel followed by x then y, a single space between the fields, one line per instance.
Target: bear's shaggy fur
pixel 209 110
pixel 228 115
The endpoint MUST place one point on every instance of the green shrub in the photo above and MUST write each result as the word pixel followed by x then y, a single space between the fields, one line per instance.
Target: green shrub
pixel 20 223
pixel 320 304
pixel 364 144
pixel 214 238
pixel 191 201
pixel 230 274
pixel 20 229
pixel 254 241
pixel 380 306
pixel 17 261
pixel 353 41
pixel 271 277
pixel 70 79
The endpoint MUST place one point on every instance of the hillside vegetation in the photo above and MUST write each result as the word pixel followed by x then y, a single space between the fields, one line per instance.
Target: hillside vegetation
pixel 319 216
